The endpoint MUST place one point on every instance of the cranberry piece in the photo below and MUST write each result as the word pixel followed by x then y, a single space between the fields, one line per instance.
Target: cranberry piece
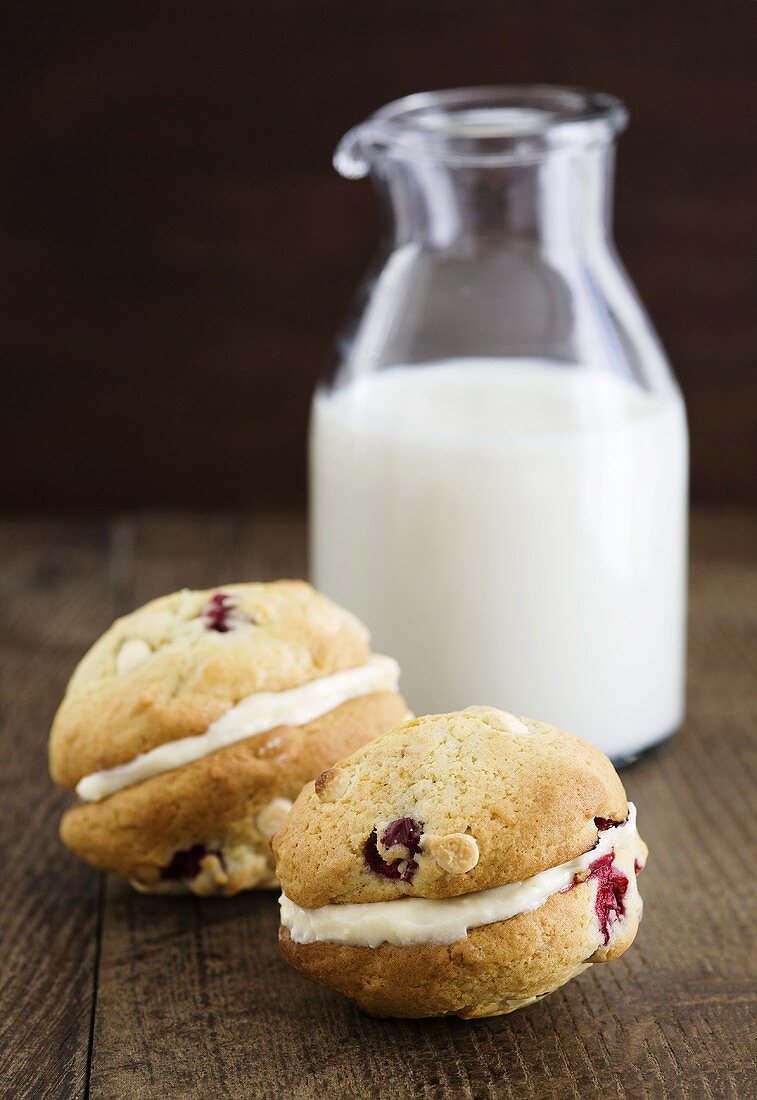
pixel 374 861
pixel 186 864
pixel 612 885
pixel 603 823
pixel 638 867
pixel 218 612
pixel 405 832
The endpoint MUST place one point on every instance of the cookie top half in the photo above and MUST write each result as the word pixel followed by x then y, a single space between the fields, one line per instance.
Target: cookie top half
pixel 446 805
pixel 175 666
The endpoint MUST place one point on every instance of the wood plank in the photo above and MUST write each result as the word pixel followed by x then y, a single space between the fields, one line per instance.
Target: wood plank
pixel 194 1001
pixel 54 594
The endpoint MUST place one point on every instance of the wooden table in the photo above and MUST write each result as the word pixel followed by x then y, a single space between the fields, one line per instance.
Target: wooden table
pixel 112 995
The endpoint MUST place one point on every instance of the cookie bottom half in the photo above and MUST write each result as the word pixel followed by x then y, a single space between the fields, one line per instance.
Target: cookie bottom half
pixel 206 827
pixel 500 967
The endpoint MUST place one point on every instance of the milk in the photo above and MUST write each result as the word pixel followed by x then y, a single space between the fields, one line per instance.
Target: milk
pixel 513 532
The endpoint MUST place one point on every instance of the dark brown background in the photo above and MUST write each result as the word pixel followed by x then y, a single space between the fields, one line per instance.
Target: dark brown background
pixel 176 250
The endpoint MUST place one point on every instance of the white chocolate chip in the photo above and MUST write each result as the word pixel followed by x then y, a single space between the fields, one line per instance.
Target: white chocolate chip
pixel 212 876
pixel 499 719
pixel 133 653
pixel 271 817
pixel 456 853
pixel 247 867
pixel 332 784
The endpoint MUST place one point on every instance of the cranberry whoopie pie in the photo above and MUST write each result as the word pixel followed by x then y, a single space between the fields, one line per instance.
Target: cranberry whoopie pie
pixel 191 725
pixel 465 864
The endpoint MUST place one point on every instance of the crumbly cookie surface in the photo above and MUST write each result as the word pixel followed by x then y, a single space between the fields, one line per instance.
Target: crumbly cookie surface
pixel 174 666
pixel 446 805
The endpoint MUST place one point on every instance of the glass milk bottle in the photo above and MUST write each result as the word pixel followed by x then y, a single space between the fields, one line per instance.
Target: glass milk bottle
pixel 499 462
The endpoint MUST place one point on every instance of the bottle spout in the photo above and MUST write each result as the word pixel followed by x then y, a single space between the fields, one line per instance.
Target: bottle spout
pixel 352 157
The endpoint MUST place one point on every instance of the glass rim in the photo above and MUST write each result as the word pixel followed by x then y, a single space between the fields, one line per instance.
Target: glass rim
pixel 491 124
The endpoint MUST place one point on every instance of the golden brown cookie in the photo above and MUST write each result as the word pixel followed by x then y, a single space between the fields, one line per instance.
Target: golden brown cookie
pixel 463 863
pixel 191 725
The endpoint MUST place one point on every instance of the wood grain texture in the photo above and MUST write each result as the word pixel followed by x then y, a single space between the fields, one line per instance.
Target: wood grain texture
pixel 55 598
pixel 177 251
pixel 191 997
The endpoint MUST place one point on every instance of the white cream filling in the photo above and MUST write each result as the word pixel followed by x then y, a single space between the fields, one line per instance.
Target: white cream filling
pixel 406 921
pixel 265 710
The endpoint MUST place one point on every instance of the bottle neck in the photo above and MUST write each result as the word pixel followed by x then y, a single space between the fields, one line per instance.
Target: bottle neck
pixel 557 203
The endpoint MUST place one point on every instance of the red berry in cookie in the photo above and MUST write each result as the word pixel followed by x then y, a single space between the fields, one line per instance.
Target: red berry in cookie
pixel 612 885
pixel 219 613
pixel 186 864
pixel 400 841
